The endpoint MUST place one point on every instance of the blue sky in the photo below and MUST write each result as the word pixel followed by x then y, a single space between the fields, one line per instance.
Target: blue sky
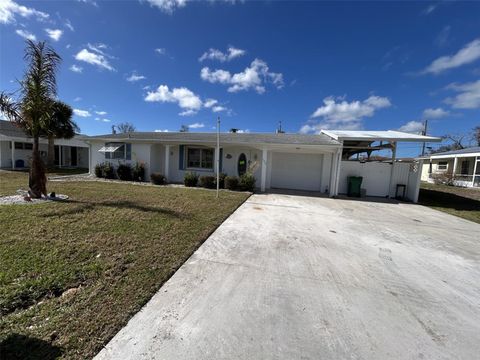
pixel 162 63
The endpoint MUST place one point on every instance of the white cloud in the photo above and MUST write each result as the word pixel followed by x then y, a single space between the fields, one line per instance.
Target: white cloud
pixel 160 130
pixel 82 113
pixel 102 119
pixel 196 125
pixel 344 111
pixel 210 103
pixel 160 51
pixel 435 113
pixel 429 9
pixel 101 113
pixel 305 129
pixel 99 48
pixel 76 68
pixel 255 77
pixel 415 127
pixel 135 77
pixel 9 9
pixel 97 59
pixel 54 34
pixel 167 6
pixel 468 54
pixel 69 25
pixel 468 95
pixel 215 54
pixel 185 98
pixel 219 108
pixel 78 98
pixel 26 35
pixel 337 113
pixel 91 2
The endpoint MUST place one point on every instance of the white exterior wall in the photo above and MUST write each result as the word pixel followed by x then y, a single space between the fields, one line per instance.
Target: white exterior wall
pixel 229 166
pixel 140 153
pixel 376 177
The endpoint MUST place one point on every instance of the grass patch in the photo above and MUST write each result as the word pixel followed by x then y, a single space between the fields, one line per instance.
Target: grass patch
pixel 112 247
pixel 462 202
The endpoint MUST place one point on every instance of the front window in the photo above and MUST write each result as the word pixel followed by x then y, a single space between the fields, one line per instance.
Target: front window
pixel 442 165
pixel 117 151
pixel 199 158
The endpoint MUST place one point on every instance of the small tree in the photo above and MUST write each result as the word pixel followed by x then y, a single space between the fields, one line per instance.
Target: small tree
pixel 34 107
pixel 476 135
pixel 125 128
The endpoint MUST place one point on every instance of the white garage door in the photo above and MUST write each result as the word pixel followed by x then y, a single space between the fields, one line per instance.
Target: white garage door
pixel 296 171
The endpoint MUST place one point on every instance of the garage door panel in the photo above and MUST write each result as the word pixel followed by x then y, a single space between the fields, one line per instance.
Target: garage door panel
pixel 296 171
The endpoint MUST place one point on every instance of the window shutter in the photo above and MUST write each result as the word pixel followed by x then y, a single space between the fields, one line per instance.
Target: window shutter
pixel 107 154
pixel 128 151
pixel 181 157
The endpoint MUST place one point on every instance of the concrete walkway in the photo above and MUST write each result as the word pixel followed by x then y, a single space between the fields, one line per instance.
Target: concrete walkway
pixel 292 277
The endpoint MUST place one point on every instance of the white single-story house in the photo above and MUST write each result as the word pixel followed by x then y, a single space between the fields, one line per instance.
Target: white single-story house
pixel 16 149
pixel 462 166
pixel 317 163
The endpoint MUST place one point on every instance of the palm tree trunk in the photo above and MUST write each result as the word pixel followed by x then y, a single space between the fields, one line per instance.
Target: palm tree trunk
pixel 51 152
pixel 37 180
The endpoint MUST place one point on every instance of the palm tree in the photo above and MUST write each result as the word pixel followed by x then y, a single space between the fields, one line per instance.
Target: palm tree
pixel 60 126
pixel 34 107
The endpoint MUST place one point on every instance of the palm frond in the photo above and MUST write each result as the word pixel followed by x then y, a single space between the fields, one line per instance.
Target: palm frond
pixel 9 108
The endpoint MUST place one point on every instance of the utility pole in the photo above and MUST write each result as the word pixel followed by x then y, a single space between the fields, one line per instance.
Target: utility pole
pixel 218 155
pixel 424 133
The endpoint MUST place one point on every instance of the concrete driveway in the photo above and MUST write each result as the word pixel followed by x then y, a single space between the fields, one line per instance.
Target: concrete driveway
pixel 292 277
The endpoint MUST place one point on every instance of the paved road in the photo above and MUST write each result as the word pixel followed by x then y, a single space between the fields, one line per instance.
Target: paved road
pixel 292 277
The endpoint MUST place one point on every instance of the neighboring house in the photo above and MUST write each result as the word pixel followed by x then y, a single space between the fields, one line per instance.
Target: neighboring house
pixel 462 166
pixel 278 161
pixel 16 149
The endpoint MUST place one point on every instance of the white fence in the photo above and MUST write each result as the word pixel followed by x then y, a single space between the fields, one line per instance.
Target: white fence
pixel 376 178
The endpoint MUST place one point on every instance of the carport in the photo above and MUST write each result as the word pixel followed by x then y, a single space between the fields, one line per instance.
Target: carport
pixel 381 177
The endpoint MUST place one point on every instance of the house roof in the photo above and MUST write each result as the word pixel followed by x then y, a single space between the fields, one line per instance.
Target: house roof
pixel 452 153
pixel 389 135
pixel 9 129
pixel 234 138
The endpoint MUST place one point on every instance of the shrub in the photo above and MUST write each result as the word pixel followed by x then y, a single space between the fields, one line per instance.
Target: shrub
pixel 99 170
pixel 108 171
pixel 208 181
pixel 104 170
pixel 221 179
pixel 190 179
pixel 231 182
pixel 247 182
pixel 443 179
pixel 124 172
pixel 157 179
pixel 138 172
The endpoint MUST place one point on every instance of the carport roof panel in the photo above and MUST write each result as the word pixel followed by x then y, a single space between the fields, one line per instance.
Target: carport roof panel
pixel 389 135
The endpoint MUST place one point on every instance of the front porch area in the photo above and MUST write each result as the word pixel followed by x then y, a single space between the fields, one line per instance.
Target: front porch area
pixel 16 154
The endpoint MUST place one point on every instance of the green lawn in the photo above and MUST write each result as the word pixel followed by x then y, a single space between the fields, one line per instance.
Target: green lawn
pixel 462 202
pixel 107 250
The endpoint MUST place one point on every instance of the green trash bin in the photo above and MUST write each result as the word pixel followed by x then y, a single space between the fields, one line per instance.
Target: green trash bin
pixel 354 184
